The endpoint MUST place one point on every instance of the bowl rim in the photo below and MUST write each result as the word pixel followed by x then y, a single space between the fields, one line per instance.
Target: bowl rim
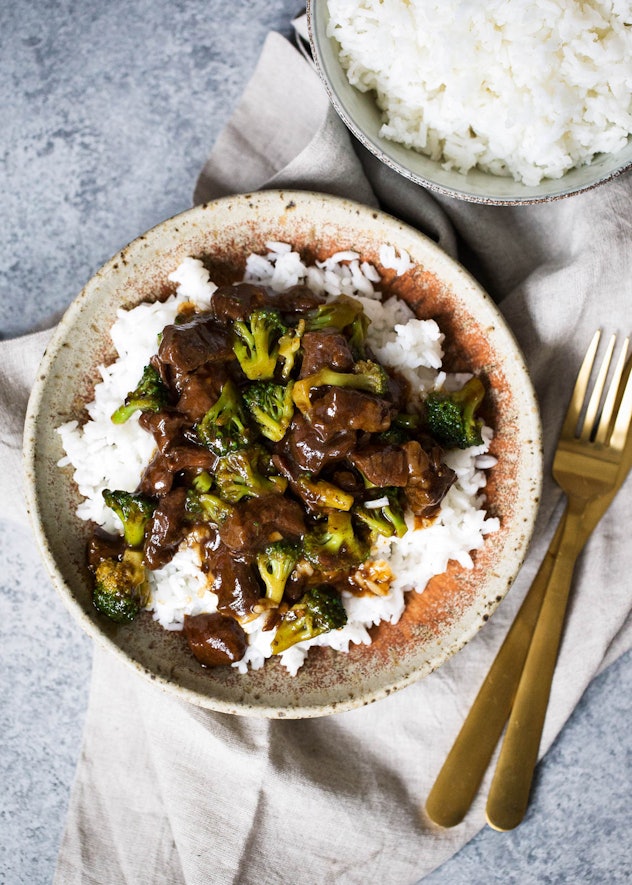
pixel 30 455
pixel 381 149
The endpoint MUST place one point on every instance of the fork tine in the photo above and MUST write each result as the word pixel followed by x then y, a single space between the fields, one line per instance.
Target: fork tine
pixel 592 409
pixel 610 401
pixel 624 416
pixel 581 386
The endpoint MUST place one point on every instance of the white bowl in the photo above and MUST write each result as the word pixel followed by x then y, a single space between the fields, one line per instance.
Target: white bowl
pixel 437 622
pixel 362 116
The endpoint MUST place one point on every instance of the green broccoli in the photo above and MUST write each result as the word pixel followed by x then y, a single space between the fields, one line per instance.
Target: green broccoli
pixel 356 336
pixel 334 543
pixel 275 563
pixel 120 587
pixel 321 493
pixel 403 427
pixel 451 417
pixel 150 395
pixel 289 346
pixel 224 428
pixel 366 375
pixel 239 475
pixel 256 343
pixel 271 406
pixel 386 519
pixel 337 314
pixel 134 510
pixel 318 611
pixel 207 506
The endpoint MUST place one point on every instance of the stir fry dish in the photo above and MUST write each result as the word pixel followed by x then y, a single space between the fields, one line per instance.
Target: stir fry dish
pixel 283 451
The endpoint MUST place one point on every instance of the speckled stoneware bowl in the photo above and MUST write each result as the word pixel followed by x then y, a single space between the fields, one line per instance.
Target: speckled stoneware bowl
pixel 454 606
pixel 363 118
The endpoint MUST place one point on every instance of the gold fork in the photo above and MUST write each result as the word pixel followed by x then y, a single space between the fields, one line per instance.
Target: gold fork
pixel 465 765
pixel 585 466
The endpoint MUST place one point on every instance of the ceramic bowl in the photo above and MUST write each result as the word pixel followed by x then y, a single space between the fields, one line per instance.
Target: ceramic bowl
pixel 362 116
pixel 437 622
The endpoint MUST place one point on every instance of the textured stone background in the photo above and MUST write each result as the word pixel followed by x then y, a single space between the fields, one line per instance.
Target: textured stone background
pixel 108 112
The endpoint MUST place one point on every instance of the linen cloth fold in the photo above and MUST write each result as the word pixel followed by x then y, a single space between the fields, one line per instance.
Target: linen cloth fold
pixel 167 792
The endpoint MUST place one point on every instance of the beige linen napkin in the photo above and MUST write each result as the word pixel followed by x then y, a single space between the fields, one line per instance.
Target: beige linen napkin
pixel 167 792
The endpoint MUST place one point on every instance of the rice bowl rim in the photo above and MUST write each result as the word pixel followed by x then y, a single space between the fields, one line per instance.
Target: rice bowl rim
pixel 361 116
pixel 339 685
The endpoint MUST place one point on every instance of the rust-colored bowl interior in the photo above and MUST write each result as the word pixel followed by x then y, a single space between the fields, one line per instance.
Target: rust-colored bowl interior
pixel 437 622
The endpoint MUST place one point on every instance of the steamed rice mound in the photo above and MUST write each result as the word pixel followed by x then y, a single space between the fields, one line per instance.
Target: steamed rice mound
pixel 527 90
pixel 107 455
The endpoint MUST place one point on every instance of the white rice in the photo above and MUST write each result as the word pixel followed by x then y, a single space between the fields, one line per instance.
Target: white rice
pixel 528 90
pixel 105 455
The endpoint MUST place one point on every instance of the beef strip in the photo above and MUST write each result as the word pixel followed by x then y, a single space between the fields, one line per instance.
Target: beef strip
pixel 327 349
pixel 382 464
pixel 102 545
pixel 237 302
pixel 298 299
pixel 187 346
pixel 308 449
pixel 254 520
pixel 234 581
pixel 200 390
pixel 215 639
pixel 428 479
pixel 165 426
pixel 341 408
pixel 166 529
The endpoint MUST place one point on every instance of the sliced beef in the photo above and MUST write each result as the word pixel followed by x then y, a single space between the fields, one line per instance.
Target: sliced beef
pixel 341 408
pixel 200 390
pixel 254 520
pixel 102 545
pixel 187 346
pixel 166 529
pixel 215 639
pixel 165 426
pixel 157 478
pixel 190 457
pixel 428 479
pixel 235 582
pixel 298 299
pixel 382 464
pixel 308 449
pixel 325 349
pixel 237 302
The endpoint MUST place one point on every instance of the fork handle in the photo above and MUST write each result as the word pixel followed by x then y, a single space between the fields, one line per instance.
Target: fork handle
pixel 462 772
pixel 511 785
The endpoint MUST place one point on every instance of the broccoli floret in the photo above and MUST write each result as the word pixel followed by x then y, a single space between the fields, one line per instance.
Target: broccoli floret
pixel 134 511
pixel 403 427
pixel 239 475
pixel 319 611
pixel 451 417
pixel 224 427
pixel 335 314
pixel 386 519
pixel 275 563
pixel 334 542
pixel 120 587
pixel 366 375
pixel 356 336
pixel 289 346
pixel 256 343
pixel 207 506
pixel 150 395
pixel 321 493
pixel 272 407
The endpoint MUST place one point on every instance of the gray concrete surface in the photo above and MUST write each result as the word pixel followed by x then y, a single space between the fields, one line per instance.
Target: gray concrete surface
pixel 108 112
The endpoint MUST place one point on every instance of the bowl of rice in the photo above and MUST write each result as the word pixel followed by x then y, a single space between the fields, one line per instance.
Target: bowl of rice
pixel 427 320
pixel 497 103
